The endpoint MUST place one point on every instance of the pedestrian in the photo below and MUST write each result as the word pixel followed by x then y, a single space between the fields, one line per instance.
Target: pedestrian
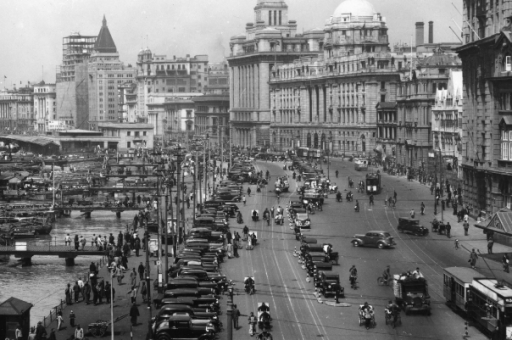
pixel 87 292
pixel 395 195
pixel 134 313
pixel 133 294
pixel 93 240
pixel 422 208
pixel 77 243
pixel 412 213
pixel 76 291
pixel 272 212
pixel 79 333
pixel 490 244
pixel 456 244
pixel 40 331
pixel 466 228
pixel 60 320
pixel 505 261
pixel 92 268
pixel 107 292
pixel 236 315
pixel 18 335
pixel 120 240
pixel 371 199
pixel 32 334
pixel 337 173
pixel 83 242
pixel 448 229
pixel 144 291
pixel 472 258
pixel 337 292
pixel 133 278
pixel 235 247
pixel 137 246
pixel 51 336
pixel 67 240
pixel 141 270
pixel 67 293
pixel 244 200
pixel 81 285
pixel 72 318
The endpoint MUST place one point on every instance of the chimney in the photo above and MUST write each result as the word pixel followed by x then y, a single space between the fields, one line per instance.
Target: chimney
pixel 430 32
pixel 420 33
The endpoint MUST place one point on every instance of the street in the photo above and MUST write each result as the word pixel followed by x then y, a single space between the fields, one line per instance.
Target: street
pixel 281 282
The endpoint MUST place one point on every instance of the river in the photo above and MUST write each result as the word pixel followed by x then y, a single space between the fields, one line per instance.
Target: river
pixel 43 283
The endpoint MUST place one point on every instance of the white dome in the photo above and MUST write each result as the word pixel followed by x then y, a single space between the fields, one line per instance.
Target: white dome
pixel 358 8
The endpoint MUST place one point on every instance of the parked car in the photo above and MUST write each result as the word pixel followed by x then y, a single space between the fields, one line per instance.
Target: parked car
pixel 330 282
pixel 375 238
pixel 411 226
pixel 302 221
pixel 181 326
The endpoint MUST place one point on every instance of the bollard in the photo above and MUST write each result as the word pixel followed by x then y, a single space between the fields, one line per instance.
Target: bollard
pixel 229 322
pixel 466 332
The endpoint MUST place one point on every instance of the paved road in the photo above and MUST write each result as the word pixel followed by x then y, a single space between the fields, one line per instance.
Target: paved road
pixel 281 282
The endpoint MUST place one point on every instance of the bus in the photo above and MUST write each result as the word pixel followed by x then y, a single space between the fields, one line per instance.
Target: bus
pixel 302 152
pixel 315 153
pixel 373 185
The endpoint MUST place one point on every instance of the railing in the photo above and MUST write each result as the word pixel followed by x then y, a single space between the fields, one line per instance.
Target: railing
pixel 48 319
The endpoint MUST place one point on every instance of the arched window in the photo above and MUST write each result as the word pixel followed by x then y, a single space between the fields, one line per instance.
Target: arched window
pixel 315 141
pixel 308 140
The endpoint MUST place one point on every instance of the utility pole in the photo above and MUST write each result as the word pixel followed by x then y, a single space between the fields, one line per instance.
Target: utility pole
pixel 205 172
pixel 230 142
pixel 166 226
pixel 148 280
pixel 221 151
pixel 159 220
pixel 195 193
pixel 183 203
pixel 178 213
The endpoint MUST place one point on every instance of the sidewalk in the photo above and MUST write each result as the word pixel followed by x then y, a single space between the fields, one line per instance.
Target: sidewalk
pixel 475 240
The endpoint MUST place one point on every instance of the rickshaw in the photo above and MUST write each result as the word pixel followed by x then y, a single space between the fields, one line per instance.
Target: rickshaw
pixel 366 317
pixel 279 219
pixel 264 318
pixel 255 215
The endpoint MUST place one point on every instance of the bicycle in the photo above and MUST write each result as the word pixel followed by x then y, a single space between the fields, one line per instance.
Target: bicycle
pixel 382 281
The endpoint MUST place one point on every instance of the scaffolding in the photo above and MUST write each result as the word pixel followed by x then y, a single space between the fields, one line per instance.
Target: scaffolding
pixel 75 49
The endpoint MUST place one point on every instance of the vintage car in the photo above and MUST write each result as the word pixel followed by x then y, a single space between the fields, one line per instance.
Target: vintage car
pixel 411 293
pixel 375 238
pixel 171 310
pixel 329 283
pixel 411 226
pixel 182 326
pixel 295 204
pixel 302 221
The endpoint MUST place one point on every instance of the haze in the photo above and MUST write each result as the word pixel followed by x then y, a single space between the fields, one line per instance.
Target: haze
pixel 32 30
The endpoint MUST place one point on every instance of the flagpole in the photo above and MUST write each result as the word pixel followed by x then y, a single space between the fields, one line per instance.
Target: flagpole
pixel 410 69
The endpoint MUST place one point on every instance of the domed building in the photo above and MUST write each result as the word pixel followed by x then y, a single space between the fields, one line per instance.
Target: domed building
pixel 329 102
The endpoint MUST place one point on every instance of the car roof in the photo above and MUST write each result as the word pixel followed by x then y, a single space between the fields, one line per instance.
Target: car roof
pixel 177 306
pixel 377 231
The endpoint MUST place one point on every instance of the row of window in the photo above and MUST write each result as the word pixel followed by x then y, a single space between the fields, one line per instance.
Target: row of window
pixel 506 145
pixel 135 133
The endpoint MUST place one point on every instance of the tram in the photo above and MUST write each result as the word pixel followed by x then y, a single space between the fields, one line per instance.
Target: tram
pixel 315 153
pixel 373 185
pixel 302 152
pixel 486 301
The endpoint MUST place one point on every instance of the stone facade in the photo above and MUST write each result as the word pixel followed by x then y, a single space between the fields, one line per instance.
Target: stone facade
pixel 45 106
pixel 487 119
pixel 330 101
pixel 272 40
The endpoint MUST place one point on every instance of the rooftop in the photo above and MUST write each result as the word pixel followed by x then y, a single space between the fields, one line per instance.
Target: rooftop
pixel 105 43
pixel 125 126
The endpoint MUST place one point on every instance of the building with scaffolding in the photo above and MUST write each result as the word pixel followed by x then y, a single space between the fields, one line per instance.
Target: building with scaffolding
pixel 88 80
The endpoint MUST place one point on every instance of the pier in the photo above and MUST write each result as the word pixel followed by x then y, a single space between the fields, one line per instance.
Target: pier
pixel 25 252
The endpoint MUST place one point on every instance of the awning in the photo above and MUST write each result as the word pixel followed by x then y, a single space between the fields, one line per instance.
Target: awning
pixel 500 223
pixel 15 180
pixel 506 121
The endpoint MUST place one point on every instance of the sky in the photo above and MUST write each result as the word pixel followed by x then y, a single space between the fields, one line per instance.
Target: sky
pixel 32 30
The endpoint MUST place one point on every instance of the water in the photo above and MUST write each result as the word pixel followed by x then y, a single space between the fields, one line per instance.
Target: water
pixel 43 283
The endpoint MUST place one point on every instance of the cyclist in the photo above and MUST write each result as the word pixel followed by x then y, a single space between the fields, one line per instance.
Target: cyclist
pixel 386 275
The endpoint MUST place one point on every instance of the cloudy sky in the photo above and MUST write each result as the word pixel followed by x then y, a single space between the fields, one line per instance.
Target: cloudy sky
pixel 32 30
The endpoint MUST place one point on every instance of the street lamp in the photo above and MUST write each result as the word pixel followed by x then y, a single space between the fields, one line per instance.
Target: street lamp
pixel 328 157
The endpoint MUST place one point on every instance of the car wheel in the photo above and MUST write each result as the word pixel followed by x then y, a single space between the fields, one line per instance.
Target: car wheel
pixel 163 336
pixel 356 243
pixel 381 245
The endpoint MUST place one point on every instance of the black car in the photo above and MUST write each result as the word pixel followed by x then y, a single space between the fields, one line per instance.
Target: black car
pixel 411 226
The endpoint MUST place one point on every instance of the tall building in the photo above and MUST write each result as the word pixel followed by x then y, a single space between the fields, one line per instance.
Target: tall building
pixel 71 88
pixel 45 105
pixel 329 101
pixel 88 80
pixel 416 98
pixel 212 109
pixel 270 41
pixel 160 74
pixel 447 131
pixel 487 119
pixel 105 73
pixel 127 102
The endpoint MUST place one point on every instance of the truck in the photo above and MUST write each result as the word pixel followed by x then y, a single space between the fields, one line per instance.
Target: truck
pixel 411 293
